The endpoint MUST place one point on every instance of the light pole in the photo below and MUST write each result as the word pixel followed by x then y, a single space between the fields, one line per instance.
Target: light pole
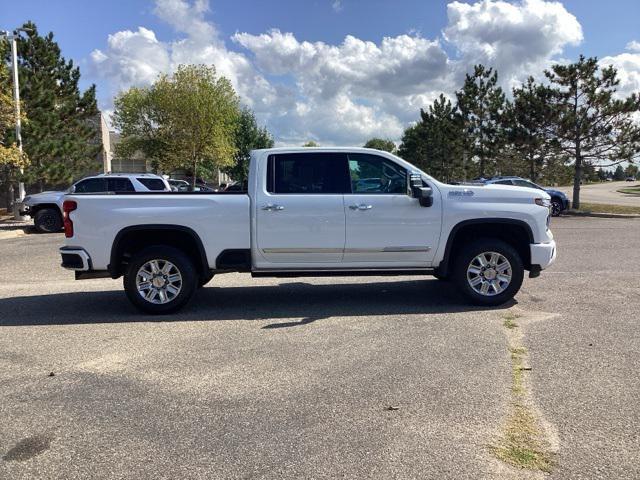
pixel 12 37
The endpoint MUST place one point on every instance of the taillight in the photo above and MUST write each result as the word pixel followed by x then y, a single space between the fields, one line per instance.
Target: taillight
pixel 67 207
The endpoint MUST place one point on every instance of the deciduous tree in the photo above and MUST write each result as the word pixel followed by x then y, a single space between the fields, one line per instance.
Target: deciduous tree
pixel 248 136
pixel 381 144
pixel 186 120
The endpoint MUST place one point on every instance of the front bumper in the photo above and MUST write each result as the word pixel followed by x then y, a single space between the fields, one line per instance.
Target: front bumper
pixel 543 254
pixel 24 209
pixel 75 258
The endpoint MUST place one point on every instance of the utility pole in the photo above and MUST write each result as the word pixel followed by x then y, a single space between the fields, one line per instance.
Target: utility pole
pixel 12 37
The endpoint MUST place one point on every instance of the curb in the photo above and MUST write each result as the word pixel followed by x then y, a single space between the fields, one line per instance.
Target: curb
pixel 576 213
pixel 12 234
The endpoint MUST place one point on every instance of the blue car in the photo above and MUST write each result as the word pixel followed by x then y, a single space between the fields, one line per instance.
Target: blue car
pixel 559 200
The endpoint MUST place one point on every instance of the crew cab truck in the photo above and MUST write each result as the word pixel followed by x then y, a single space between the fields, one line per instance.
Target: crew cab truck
pixel 312 212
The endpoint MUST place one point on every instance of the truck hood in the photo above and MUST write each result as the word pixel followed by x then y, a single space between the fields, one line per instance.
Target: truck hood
pixel 44 197
pixel 493 193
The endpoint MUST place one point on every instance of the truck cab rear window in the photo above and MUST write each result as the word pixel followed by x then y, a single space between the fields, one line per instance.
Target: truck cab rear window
pixel 307 173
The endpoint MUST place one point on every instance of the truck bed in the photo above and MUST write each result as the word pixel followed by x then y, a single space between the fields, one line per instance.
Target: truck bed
pixel 220 217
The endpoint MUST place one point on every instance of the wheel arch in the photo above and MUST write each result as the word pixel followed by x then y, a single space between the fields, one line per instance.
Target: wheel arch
pixel 134 238
pixel 42 206
pixel 515 232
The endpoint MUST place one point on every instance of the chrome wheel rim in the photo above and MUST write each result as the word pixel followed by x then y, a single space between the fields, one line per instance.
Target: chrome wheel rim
pixel 158 281
pixel 489 274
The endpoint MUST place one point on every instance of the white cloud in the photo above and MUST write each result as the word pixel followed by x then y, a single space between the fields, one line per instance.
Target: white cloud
pixel 633 46
pixel 628 66
pixel 348 92
pixel 518 39
pixel 132 58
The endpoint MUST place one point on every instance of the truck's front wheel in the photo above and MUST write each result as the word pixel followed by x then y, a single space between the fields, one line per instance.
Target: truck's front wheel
pixel 488 271
pixel 47 220
pixel 160 280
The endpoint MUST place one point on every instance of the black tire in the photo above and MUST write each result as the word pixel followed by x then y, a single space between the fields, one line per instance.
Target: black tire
pixel 188 283
pixel 48 220
pixel 556 207
pixel 204 278
pixel 469 252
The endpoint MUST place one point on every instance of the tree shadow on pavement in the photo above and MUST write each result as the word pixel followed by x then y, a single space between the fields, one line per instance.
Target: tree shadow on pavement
pixel 261 302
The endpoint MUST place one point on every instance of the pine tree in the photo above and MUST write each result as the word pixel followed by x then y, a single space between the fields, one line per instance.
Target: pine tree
pixel 480 104
pixel 528 122
pixel 433 144
pixel 443 146
pixel 412 145
pixel 593 125
pixel 62 136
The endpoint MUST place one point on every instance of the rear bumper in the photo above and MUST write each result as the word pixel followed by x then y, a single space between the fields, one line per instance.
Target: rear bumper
pixel 543 254
pixel 75 258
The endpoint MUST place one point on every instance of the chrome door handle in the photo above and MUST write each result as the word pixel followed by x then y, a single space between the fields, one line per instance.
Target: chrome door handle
pixel 270 207
pixel 362 206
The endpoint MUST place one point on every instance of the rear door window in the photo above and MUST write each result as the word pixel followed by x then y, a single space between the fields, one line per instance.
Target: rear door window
pixel 503 182
pixel 307 173
pixel 120 185
pixel 91 185
pixel 154 184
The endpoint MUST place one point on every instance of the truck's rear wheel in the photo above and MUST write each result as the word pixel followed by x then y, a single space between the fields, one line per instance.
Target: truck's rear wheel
pixel 488 272
pixel 47 220
pixel 204 278
pixel 160 280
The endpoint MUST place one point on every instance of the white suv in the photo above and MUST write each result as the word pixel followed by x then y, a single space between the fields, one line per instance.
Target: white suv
pixel 46 208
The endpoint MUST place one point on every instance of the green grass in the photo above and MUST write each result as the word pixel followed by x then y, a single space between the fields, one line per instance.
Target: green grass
pixel 634 190
pixel 522 445
pixel 605 208
pixel 509 318
pixel 523 442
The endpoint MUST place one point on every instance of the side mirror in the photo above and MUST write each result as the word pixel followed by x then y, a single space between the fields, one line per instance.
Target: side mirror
pixel 419 191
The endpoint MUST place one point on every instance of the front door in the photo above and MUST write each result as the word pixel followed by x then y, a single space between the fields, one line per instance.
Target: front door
pixel 384 224
pixel 300 211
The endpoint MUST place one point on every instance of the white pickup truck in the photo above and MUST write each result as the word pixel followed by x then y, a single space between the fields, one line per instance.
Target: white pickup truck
pixel 312 212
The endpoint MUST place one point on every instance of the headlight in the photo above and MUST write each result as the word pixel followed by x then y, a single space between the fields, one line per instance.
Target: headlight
pixel 26 199
pixel 543 202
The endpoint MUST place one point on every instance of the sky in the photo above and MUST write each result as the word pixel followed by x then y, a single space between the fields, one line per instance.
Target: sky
pixel 334 71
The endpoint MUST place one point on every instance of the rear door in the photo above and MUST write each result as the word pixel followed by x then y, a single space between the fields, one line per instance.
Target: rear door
pixel 384 223
pixel 300 215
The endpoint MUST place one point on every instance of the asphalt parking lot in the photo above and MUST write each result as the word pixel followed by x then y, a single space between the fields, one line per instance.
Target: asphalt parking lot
pixel 374 377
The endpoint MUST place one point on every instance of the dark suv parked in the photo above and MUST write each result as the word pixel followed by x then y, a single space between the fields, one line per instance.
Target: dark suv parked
pixel 559 200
